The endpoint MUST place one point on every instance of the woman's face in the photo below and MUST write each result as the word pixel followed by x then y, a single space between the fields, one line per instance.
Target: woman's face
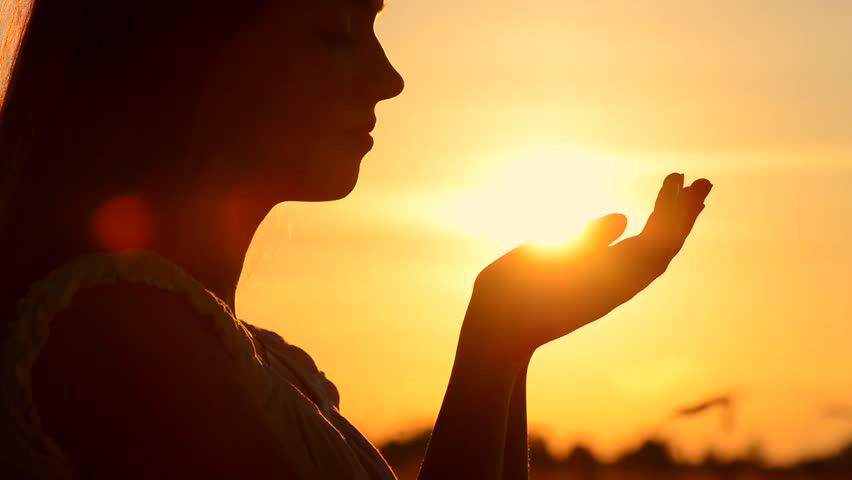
pixel 290 103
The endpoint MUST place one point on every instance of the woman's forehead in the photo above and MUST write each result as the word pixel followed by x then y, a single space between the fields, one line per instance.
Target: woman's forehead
pixel 373 6
pixel 294 9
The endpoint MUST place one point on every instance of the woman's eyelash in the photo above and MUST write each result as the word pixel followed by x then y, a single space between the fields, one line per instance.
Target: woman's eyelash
pixel 339 39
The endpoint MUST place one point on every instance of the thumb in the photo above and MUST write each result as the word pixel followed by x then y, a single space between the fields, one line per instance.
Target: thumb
pixel 603 231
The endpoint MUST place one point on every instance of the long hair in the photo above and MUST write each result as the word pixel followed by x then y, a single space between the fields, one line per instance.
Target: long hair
pixel 92 77
pixel 13 18
pixel 14 15
pixel 85 77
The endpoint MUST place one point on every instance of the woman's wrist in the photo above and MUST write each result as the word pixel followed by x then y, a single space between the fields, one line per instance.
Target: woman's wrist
pixel 469 435
pixel 490 347
pixel 475 364
pixel 469 438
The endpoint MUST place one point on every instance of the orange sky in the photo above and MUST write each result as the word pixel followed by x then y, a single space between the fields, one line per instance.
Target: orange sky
pixel 522 123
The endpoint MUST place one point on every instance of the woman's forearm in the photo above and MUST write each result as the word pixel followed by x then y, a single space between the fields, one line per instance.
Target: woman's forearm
pixel 516 453
pixel 470 433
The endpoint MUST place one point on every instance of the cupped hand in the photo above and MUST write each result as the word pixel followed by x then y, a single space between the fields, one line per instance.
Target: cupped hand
pixel 529 296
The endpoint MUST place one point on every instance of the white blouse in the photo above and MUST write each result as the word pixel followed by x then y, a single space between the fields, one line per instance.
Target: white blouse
pixel 295 398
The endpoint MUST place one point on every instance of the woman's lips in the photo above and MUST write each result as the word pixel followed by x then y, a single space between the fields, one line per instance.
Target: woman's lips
pixel 361 141
pixel 355 137
pixel 366 126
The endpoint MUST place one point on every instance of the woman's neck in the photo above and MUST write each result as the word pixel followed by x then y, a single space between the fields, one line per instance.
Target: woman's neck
pixel 208 231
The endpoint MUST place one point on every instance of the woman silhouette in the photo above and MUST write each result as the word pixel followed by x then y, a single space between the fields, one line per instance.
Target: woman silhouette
pixel 173 126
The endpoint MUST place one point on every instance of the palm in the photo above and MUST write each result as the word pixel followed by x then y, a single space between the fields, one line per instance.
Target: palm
pixel 528 298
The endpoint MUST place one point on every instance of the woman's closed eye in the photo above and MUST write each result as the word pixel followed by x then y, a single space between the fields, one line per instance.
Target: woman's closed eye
pixel 336 29
pixel 338 39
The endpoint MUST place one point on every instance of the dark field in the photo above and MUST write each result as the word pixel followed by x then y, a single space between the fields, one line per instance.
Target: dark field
pixel 651 460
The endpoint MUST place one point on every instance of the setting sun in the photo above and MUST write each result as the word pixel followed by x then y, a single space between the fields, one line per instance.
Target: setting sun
pixel 545 197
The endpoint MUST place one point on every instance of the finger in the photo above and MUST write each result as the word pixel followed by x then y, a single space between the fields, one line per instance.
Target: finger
pixel 694 197
pixel 681 225
pixel 604 230
pixel 652 250
pixel 690 206
pixel 666 205
pixel 692 203
pixel 672 185
pixel 663 234
pixel 702 188
pixel 639 260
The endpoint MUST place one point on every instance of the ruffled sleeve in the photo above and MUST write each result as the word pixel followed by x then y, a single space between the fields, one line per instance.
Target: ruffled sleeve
pixel 295 399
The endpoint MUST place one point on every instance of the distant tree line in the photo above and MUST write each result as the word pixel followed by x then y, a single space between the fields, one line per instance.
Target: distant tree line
pixel 652 455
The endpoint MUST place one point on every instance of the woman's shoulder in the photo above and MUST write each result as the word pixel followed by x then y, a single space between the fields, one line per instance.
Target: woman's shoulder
pixel 298 366
pixel 104 324
pixel 135 289
pixel 160 327
pixel 143 301
pixel 141 294
pixel 140 358
pixel 114 271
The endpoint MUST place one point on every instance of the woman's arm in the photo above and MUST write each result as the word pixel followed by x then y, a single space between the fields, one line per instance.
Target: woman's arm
pixel 516 454
pixel 481 430
pixel 470 433
pixel 528 298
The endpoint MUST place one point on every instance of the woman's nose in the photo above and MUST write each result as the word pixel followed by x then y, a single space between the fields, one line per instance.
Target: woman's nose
pixel 386 82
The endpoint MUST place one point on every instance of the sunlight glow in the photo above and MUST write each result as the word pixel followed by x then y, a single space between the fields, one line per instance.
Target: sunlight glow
pixel 545 197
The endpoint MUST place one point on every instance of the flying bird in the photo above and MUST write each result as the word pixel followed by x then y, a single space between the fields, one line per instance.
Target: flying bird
pixel 724 402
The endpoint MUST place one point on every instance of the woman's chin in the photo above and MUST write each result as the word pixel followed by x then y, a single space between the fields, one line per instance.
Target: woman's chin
pixel 327 187
pixel 320 175
pixel 337 193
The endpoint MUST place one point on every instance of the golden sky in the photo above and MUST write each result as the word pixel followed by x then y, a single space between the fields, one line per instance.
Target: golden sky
pixel 523 121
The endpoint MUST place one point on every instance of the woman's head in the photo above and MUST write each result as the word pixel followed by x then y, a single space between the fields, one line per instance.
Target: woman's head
pixel 279 94
pixel 295 95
